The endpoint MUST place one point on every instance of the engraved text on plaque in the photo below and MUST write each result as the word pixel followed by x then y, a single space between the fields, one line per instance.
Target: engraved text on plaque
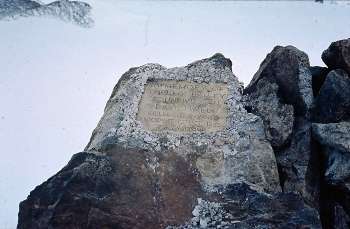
pixel 183 106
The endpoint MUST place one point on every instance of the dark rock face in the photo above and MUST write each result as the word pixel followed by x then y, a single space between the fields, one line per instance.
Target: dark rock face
pixel 333 102
pixel 335 141
pixel 245 207
pixel 281 210
pixel 116 191
pixel 338 55
pixel 318 77
pixel 281 93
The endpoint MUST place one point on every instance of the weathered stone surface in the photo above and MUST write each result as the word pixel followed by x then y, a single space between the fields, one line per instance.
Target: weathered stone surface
pixel 281 94
pixel 120 190
pixel 299 164
pixel 135 176
pixel 240 148
pixel 333 102
pixel 278 117
pixel 246 207
pixel 318 77
pixel 335 141
pixel 338 55
pixel 335 135
pixel 288 67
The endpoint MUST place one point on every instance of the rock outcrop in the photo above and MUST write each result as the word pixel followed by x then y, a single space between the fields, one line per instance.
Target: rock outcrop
pixel 70 11
pixel 335 141
pixel 281 94
pixel 333 102
pixel 142 169
pixel 189 147
pixel 338 55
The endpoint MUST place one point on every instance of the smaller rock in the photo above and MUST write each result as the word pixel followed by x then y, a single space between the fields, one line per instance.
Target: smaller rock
pixel 318 77
pixel 338 55
pixel 333 102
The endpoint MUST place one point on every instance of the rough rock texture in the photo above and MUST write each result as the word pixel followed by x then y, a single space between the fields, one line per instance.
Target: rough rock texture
pixel 132 178
pixel 117 191
pixel 287 67
pixel 247 207
pixel 338 55
pixel 278 117
pixel 240 151
pixel 318 77
pixel 281 94
pixel 69 11
pixel 87 193
pixel 333 102
pixel 335 141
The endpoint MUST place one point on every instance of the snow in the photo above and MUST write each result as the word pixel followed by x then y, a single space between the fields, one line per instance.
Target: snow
pixel 56 77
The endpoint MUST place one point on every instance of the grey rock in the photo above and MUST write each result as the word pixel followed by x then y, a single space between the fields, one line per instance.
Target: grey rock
pixel 130 177
pixel 278 118
pixel 335 135
pixel 66 10
pixel 338 55
pixel 299 164
pixel 244 152
pixel 334 139
pixel 281 94
pixel 333 102
pixel 246 207
pixel 288 67
pixel 13 7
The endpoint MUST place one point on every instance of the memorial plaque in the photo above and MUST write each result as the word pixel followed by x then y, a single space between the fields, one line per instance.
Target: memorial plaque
pixel 183 106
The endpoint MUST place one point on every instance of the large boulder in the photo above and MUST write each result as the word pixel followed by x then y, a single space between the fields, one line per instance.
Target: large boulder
pixel 168 137
pixel 288 67
pixel 281 93
pixel 338 55
pixel 333 102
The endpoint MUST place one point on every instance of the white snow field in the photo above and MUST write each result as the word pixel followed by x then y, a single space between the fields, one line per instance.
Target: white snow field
pixel 55 77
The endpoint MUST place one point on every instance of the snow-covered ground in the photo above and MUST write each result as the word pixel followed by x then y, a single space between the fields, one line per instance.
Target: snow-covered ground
pixel 56 77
